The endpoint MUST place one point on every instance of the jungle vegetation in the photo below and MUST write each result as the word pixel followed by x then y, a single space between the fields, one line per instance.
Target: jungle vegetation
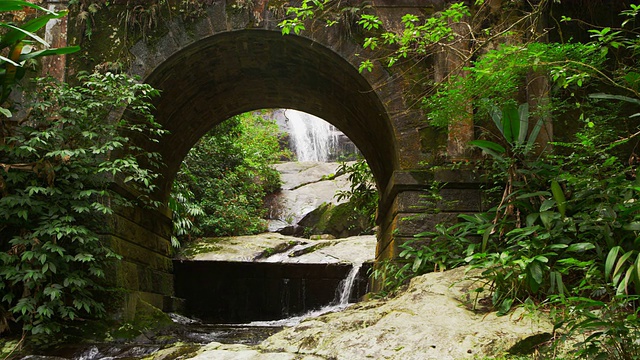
pixel 61 147
pixel 561 230
pixel 222 184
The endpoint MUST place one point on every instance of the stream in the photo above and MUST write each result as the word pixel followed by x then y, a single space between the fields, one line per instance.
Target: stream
pixel 199 332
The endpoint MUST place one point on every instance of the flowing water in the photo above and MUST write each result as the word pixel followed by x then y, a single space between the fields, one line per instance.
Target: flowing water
pixel 341 301
pixel 313 139
pixel 194 331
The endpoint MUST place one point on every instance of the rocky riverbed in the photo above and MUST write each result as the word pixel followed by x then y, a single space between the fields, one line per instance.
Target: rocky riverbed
pixel 274 247
pixel 435 317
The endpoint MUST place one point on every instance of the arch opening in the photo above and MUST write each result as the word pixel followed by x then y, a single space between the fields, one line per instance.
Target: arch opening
pixel 282 274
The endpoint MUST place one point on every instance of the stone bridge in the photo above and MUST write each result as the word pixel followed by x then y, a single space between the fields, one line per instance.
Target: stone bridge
pixel 232 58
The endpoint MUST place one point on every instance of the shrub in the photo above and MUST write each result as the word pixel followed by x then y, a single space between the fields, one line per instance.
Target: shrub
pixel 229 175
pixel 57 167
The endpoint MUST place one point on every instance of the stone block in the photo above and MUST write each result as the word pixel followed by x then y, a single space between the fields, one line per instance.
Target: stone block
pixel 127 229
pixel 139 277
pixel 464 200
pixel 408 224
pixel 136 253
pixel 154 281
pixel 410 153
pixel 458 178
pixel 126 275
pixel 157 221
pixel 155 300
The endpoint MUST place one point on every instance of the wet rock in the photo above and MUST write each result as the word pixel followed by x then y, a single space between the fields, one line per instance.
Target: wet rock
pixel 267 247
pixel 306 186
pixel 339 221
pixel 424 322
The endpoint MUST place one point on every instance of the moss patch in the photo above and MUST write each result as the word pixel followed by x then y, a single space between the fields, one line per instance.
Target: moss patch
pixel 338 220
pixel 205 245
pixel 147 318
pixel 280 248
pixel 177 350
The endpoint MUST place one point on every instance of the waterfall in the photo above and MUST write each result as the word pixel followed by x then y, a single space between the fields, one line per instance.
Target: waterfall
pixel 341 301
pixel 346 286
pixel 312 138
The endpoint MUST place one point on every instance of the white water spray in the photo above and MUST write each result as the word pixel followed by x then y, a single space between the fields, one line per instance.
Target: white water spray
pixel 346 285
pixel 343 293
pixel 313 139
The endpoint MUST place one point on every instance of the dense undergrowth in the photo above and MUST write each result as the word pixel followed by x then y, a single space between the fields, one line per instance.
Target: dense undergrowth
pixel 61 148
pixel 225 178
pixel 58 168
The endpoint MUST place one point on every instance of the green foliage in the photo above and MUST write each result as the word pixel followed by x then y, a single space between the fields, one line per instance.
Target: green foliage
pixel 55 179
pixel 19 46
pixel 306 10
pixel 606 330
pixel 418 38
pixel 362 193
pixel 562 225
pixel 184 210
pixel 229 175
pixel 389 276
pixel 497 78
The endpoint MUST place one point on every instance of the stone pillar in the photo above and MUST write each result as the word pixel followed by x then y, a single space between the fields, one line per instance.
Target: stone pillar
pixel 450 62
pixel 56 36
pixel 141 236
pixel 407 207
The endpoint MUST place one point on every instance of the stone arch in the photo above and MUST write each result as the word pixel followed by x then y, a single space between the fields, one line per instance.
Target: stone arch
pixel 233 72
pixel 233 61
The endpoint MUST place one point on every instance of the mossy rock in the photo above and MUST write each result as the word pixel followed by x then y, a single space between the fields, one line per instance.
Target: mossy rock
pixel 177 350
pixel 338 220
pixel 148 318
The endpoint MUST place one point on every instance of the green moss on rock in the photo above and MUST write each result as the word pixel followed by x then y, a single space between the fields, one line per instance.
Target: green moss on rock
pixel 148 318
pixel 338 220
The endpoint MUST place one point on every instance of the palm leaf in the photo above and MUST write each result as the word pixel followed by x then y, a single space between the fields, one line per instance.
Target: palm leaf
pixel 32 26
pixel 15 5
pixel 614 97
pixel 611 259
pixel 48 52
pixel 534 133
pixel 510 123
pixel 523 114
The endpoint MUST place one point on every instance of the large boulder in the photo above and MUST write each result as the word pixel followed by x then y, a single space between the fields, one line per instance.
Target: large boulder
pixel 339 220
pixel 306 186
pixel 432 319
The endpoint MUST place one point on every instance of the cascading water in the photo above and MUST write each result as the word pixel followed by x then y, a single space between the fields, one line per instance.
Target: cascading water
pixel 313 139
pixel 346 286
pixel 343 293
